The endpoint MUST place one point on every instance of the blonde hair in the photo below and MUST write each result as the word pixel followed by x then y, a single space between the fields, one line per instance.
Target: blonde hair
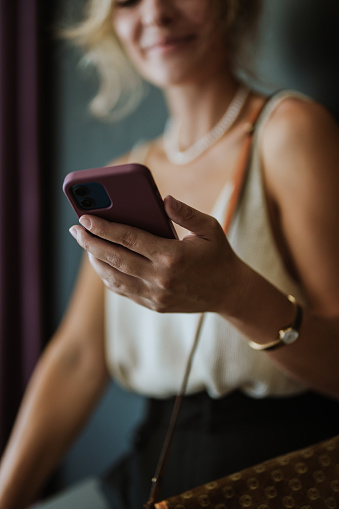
pixel 121 88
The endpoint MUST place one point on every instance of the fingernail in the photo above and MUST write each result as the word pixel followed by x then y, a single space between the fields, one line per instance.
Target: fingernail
pixel 73 232
pixel 85 222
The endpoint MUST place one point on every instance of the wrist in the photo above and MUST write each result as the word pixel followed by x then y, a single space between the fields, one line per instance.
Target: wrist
pixel 287 335
pixel 257 308
pixel 235 289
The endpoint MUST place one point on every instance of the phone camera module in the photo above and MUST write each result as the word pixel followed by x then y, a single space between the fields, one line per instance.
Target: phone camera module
pixel 80 190
pixel 90 196
pixel 88 203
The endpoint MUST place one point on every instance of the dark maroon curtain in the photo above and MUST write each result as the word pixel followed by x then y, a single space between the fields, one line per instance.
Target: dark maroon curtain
pixel 20 207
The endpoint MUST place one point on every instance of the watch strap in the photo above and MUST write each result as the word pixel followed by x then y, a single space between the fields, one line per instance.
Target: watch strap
pixel 295 328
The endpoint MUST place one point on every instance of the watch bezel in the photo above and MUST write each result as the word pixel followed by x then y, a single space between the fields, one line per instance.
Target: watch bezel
pixel 288 335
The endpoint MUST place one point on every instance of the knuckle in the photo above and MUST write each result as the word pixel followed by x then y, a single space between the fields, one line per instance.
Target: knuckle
pixel 176 263
pixel 160 309
pixel 162 303
pixel 154 306
pixel 128 239
pixel 188 214
pixel 113 282
pixel 215 226
pixel 160 300
pixel 172 261
pixel 84 243
pixel 213 230
pixel 165 282
pixel 100 230
pixel 114 260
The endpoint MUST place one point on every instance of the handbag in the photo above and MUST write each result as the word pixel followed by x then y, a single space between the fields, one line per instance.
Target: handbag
pixel 304 479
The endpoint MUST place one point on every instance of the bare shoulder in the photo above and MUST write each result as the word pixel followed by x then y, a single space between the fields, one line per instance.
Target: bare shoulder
pixel 299 138
pixel 297 120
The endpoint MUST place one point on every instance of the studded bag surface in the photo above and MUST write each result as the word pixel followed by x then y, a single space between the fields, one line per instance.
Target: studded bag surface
pixel 304 479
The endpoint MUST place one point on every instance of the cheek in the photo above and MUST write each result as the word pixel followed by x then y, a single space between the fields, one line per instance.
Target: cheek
pixel 197 11
pixel 124 30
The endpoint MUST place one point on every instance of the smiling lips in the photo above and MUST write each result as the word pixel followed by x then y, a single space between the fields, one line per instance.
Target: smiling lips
pixel 167 44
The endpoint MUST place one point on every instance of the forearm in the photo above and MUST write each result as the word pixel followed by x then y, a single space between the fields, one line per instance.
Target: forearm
pixel 260 310
pixel 59 399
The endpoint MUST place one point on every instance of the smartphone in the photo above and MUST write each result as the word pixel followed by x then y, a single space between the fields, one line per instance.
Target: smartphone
pixel 124 194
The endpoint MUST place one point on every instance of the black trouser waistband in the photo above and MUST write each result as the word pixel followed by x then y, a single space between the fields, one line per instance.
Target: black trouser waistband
pixel 236 408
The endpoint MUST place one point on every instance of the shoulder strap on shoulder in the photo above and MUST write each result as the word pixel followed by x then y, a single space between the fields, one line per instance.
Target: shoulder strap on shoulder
pixel 241 170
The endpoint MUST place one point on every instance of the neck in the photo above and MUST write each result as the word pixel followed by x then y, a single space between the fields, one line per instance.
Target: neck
pixel 196 108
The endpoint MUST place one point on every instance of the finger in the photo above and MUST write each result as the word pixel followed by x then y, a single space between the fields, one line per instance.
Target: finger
pixel 115 280
pixel 134 239
pixel 127 286
pixel 202 225
pixel 115 256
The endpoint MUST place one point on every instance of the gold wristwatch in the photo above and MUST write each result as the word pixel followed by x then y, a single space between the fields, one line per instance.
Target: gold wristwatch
pixel 287 335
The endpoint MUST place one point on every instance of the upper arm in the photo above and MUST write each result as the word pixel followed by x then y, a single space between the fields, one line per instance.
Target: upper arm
pixel 300 150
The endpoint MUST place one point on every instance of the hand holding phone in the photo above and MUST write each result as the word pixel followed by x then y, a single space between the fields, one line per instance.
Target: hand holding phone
pixel 190 276
pixel 124 194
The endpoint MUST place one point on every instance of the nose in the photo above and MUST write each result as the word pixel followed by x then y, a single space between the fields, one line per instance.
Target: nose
pixel 158 12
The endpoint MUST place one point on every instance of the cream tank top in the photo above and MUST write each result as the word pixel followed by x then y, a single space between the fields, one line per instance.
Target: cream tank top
pixel 147 352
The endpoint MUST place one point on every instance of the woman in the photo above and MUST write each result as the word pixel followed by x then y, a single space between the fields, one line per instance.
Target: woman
pixel 264 376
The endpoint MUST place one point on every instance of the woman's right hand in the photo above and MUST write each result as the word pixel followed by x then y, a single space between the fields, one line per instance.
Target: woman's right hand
pixel 196 274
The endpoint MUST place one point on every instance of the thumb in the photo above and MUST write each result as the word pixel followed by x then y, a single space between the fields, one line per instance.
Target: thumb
pixel 193 220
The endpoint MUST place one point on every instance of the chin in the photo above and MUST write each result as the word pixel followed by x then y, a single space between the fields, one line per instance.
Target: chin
pixel 168 77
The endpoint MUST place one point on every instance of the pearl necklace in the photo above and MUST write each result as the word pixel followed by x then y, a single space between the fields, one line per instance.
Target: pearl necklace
pixel 171 142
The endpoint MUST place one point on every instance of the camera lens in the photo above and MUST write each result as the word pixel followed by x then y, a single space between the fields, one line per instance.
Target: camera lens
pixel 80 190
pixel 88 203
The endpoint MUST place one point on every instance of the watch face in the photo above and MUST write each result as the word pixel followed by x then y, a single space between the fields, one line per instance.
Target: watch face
pixel 288 336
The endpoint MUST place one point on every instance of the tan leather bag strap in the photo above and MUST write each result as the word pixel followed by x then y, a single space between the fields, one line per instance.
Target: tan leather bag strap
pixel 242 166
pixel 238 185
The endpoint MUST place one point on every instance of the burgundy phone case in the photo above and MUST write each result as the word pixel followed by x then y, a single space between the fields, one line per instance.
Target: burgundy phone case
pixel 135 199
